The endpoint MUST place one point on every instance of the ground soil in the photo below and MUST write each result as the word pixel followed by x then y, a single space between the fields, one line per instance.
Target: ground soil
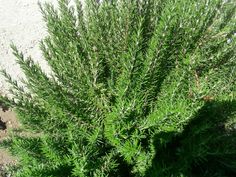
pixel 7 118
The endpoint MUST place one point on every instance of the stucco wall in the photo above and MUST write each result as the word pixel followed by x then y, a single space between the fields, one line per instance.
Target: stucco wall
pixel 21 23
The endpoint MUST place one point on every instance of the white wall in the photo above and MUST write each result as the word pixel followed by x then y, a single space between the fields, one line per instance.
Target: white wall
pixel 20 22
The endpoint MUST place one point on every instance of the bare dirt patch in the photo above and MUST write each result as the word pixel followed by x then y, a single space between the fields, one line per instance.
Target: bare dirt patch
pixel 8 121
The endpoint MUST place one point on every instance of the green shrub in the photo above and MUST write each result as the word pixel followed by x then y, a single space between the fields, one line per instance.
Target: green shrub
pixel 138 88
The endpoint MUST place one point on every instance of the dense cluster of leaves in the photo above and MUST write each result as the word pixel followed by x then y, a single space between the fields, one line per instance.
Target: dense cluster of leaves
pixel 138 88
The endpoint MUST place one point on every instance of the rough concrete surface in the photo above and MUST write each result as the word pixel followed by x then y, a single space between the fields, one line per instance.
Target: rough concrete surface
pixel 20 23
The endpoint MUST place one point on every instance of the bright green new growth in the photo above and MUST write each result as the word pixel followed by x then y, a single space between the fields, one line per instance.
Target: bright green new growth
pixel 138 88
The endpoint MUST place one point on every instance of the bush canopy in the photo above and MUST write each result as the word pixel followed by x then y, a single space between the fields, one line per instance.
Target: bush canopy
pixel 137 88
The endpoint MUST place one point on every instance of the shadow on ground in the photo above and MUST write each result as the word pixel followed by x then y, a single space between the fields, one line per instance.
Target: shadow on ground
pixel 206 148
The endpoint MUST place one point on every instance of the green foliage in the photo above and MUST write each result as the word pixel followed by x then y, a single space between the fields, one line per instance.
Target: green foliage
pixel 138 88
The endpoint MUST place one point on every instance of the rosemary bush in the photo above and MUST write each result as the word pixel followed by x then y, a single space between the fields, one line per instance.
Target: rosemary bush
pixel 138 88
